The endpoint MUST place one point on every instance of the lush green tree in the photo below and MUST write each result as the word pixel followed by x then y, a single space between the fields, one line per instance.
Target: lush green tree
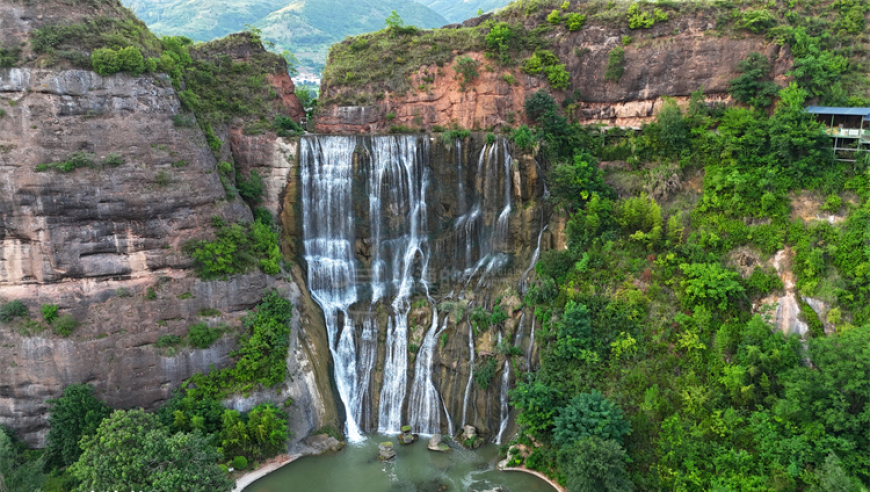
pixel 832 478
pixel 834 396
pixel 574 332
pixel 537 403
pixel 76 414
pixel 261 434
pixel 641 217
pixel 673 130
pixel 595 465
pixel 758 356
pixel 589 414
pixel 18 471
pixel 574 182
pixel 185 414
pixel 816 69
pixel 500 40
pixel 709 284
pixel 754 86
pixel 251 189
pixel 132 450
pixel 798 144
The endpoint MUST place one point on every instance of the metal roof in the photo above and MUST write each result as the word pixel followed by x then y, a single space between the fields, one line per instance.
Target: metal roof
pixel 839 111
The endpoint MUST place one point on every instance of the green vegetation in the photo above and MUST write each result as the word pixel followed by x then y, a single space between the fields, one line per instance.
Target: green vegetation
pixel 656 371
pixel 132 449
pixel 107 61
pixel 20 469
pixel 166 341
pixel 754 87
pixel 260 358
pixel 466 71
pixel 485 371
pixel 49 312
pixel 615 64
pixel 644 19
pixel 11 310
pixel 76 414
pixel 389 60
pixel 308 28
pixel 112 27
pixel 201 336
pixel 65 325
pixel 81 159
pixel 237 249
pixel 263 434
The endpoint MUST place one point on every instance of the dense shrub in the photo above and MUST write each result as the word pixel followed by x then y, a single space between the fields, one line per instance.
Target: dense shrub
pixel 753 86
pixel 260 358
pixel 76 414
pixel 615 64
pixel 49 312
pixel 165 341
pixel 263 434
pixel 237 248
pixel 202 336
pixel 11 310
pixel 589 415
pixel 65 325
pixel 466 71
pixel 132 449
pixel 485 371
pixel 107 61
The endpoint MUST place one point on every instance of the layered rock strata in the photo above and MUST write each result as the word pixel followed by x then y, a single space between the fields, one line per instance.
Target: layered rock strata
pixel 672 59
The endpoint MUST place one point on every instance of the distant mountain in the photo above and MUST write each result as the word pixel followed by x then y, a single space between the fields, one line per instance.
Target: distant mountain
pixel 459 10
pixel 305 27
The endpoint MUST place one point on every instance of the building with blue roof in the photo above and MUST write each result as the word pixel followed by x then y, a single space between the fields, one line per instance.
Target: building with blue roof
pixel 849 127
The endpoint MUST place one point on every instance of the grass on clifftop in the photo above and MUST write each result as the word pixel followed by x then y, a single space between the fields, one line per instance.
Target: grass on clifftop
pixel 388 59
pixel 362 69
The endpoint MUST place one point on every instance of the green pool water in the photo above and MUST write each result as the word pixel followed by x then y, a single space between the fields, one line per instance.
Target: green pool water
pixel 415 469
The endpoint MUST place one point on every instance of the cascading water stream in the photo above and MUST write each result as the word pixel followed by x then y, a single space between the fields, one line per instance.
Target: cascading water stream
pixel 328 241
pixel 504 410
pixel 470 368
pixel 523 286
pixel 501 228
pixel 353 278
pixel 423 403
pixel 398 174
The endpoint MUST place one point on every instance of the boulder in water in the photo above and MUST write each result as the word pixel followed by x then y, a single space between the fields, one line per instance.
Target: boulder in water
pixel 469 438
pixel 435 444
pixel 406 437
pixel 385 451
pixel 322 443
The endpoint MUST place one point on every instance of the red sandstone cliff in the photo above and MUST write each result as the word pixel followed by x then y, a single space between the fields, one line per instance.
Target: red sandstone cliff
pixel 672 59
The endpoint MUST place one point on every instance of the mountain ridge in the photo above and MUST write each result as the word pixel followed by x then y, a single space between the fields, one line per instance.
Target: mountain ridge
pixel 305 28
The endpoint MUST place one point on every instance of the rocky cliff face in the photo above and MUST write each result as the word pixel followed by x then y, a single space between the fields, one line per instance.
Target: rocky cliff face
pixel 483 218
pixel 672 59
pixel 95 239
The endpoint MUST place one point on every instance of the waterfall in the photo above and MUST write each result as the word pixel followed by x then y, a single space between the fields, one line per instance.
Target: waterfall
pixel 397 182
pixel 504 410
pixel 328 241
pixel 366 244
pixel 423 403
pixel 450 427
pixel 501 228
pixel 523 285
pixel 470 367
